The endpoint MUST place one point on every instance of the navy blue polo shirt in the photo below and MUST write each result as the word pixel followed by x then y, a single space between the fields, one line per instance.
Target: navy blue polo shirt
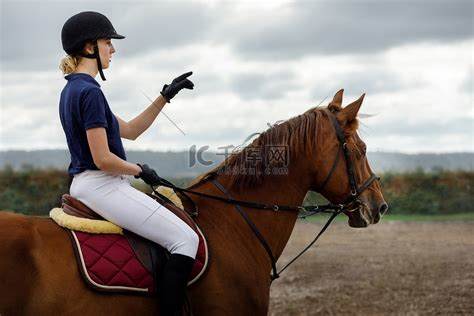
pixel 83 106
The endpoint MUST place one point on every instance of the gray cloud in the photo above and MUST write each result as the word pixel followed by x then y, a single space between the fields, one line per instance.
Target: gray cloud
pixel 31 31
pixel 370 80
pixel 166 25
pixel 263 85
pixel 209 83
pixel 467 85
pixel 428 129
pixel 320 27
pixel 157 48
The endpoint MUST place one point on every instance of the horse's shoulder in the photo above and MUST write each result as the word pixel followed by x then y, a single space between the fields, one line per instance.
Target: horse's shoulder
pixel 18 231
pixel 19 248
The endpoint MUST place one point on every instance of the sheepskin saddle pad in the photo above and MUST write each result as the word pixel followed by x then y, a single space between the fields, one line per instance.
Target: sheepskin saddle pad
pixel 112 259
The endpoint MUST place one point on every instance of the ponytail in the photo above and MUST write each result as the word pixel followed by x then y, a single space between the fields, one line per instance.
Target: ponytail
pixel 69 64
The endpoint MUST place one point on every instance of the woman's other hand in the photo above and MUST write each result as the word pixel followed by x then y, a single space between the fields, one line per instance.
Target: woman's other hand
pixel 148 175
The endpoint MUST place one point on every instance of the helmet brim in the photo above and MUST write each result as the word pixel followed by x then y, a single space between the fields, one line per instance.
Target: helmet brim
pixel 117 36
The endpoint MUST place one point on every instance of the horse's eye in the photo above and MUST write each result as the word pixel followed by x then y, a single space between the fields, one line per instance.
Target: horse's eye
pixel 364 150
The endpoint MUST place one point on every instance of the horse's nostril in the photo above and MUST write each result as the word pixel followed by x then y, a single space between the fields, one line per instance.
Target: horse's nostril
pixel 383 208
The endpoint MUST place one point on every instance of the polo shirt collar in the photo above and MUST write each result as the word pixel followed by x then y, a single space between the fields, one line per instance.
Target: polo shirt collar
pixel 81 76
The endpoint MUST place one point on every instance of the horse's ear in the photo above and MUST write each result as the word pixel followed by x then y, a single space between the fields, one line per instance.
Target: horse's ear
pixel 349 113
pixel 336 104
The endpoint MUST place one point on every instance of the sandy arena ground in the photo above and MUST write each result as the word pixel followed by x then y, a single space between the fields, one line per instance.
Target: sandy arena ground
pixel 392 268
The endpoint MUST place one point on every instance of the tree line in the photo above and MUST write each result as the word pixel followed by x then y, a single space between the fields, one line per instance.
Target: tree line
pixel 36 191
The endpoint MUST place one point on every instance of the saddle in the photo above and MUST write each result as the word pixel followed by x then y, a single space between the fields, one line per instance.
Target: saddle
pixel 112 259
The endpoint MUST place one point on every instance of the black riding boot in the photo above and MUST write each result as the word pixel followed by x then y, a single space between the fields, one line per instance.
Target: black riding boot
pixel 173 284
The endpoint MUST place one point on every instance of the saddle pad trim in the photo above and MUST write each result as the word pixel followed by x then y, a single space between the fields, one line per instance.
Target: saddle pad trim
pixel 204 268
pixel 83 269
pixel 86 225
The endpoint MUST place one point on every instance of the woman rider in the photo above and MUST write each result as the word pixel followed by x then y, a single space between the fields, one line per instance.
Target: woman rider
pixel 98 162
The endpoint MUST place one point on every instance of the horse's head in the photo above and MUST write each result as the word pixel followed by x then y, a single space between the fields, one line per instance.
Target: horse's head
pixel 363 199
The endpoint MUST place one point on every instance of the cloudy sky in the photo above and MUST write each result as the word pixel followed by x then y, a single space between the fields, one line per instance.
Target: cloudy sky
pixel 253 64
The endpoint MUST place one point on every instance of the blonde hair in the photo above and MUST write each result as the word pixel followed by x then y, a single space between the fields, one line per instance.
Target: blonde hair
pixel 69 64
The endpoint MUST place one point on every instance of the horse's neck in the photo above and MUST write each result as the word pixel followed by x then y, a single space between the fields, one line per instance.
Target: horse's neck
pixel 276 227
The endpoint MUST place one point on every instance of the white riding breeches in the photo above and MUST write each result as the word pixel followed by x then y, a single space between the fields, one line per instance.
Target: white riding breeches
pixel 115 199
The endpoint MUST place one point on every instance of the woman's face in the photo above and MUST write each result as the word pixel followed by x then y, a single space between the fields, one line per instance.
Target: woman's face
pixel 106 49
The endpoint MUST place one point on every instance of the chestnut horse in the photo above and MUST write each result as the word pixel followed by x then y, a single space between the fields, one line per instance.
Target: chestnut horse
pixel 39 273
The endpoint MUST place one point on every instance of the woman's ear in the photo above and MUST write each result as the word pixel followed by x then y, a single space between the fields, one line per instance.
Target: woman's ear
pixel 88 48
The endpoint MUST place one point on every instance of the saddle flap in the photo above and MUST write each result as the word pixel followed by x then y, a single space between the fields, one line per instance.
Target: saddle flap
pixel 143 249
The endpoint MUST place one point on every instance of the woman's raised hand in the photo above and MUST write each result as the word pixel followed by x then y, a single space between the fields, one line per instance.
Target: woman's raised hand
pixel 178 83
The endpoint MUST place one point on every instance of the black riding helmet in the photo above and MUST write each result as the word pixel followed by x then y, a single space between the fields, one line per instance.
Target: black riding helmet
pixel 83 27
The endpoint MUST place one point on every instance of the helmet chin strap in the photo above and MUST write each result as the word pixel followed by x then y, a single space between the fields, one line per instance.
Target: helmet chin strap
pixel 96 55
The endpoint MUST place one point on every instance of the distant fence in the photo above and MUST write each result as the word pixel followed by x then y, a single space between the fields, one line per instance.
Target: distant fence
pixel 36 191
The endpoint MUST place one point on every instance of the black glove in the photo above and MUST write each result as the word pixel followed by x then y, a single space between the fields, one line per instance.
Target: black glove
pixel 148 175
pixel 169 91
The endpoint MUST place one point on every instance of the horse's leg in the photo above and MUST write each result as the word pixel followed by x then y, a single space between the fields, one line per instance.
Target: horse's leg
pixel 230 289
pixel 229 300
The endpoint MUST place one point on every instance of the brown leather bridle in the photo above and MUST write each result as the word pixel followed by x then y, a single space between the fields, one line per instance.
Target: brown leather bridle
pixel 355 191
pixel 333 209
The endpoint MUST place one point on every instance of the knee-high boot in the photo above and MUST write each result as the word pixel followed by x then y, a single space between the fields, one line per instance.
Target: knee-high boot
pixel 173 284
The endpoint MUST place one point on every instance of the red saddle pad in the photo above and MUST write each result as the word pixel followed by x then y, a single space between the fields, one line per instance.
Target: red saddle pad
pixel 108 263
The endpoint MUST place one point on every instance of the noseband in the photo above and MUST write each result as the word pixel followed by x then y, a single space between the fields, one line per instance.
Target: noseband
pixel 333 209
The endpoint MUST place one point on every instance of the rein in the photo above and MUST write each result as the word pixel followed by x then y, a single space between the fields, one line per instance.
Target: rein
pixel 333 209
pixel 275 273
pixel 309 210
pixel 273 207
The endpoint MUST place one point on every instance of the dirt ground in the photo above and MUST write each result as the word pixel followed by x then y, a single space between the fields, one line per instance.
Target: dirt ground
pixel 392 268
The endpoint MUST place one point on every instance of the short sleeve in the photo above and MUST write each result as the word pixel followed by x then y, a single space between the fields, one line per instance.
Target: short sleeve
pixel 93 109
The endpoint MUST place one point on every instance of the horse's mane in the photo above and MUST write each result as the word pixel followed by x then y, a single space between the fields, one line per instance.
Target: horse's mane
pixel 297 134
